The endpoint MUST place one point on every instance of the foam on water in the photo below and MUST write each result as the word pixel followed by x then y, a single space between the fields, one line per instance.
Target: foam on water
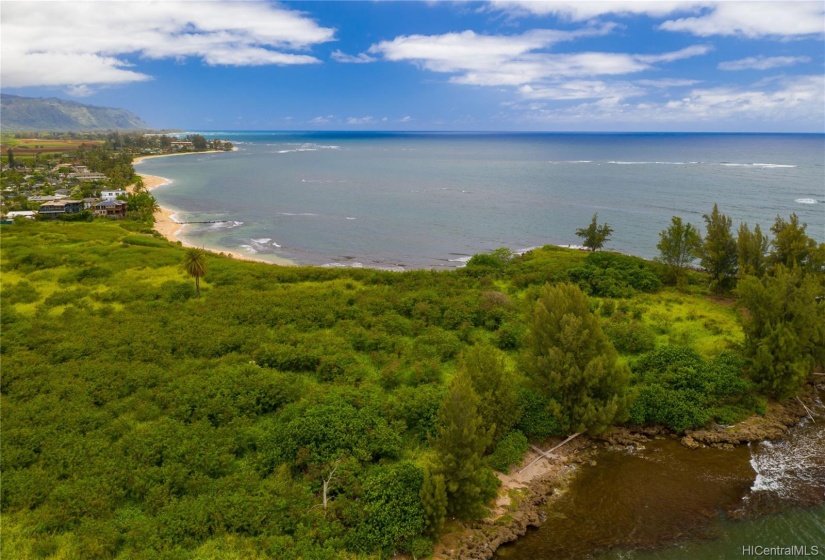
pixel 805 201
pixel 296 214
pixel 761 165
pixel 792 467
pixel 264 242
pixel 226 224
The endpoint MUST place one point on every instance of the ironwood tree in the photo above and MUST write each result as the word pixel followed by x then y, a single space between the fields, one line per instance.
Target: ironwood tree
pixel 718 251
pixel 678 246
pixel 595 236
pixel 751 251
pixel 495 385
pixel 459 448
pixel 572 362
pixel 784 327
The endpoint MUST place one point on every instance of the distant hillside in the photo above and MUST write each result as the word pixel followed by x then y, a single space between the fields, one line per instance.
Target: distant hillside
pixel 35 113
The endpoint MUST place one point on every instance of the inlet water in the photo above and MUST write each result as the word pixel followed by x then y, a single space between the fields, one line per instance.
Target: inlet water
pixel 666 502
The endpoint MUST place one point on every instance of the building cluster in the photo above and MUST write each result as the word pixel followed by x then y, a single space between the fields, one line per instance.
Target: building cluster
pixel 54 191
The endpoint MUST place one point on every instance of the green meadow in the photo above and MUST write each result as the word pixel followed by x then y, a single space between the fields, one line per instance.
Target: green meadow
pixel 141 421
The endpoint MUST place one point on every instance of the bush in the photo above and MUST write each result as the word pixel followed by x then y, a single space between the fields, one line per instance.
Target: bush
pixel 509 451
pixel 21 292
pixel 629 336
pixel 681 390
pixel 536 422
pixel 606 274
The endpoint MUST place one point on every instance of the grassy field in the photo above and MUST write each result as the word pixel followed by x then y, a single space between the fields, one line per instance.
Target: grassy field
pixel 29 147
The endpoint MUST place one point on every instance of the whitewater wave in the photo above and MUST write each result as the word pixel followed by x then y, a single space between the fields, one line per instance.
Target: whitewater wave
pixel 760 165
pixel 806 201
pixel 306 147
pixel 225 224
pixel 263 241
pixel 297 214
pixel 794 467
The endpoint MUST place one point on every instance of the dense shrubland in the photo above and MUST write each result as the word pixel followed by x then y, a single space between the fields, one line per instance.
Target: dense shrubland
pixel 319 413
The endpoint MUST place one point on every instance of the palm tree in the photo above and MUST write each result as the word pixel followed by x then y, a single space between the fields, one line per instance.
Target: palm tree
pixel 194 262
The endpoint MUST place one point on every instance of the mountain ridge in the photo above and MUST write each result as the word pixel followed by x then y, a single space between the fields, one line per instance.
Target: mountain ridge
pixel 18 114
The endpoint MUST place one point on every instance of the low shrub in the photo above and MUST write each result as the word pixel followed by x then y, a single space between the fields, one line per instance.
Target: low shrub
pixel 509 451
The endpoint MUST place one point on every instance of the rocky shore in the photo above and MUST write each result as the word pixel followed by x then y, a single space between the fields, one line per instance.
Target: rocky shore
pixel 524 495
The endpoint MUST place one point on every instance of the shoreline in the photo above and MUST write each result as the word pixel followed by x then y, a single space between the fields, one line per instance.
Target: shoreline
pixel 544 482
pixel 166 223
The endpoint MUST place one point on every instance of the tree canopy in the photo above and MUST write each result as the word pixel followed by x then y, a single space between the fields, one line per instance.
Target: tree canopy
pixel 595 236
pixel 572 362
pixel 678 246
pixel 718 251
pixel 194 262
pixel 784 327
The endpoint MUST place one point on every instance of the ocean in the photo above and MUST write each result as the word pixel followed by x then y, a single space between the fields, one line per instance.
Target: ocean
pixel 431 200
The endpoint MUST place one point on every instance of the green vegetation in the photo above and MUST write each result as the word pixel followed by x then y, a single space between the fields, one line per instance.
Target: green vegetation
pixel 571 362
pixel 784 328
pixel 299 412
pixel 595 236
pixel 194 263
pixel 718 251
pixel 678 246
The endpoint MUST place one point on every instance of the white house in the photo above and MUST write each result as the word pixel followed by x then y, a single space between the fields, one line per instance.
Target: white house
pixel 111 195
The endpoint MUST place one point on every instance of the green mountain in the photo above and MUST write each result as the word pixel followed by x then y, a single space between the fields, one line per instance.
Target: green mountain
pixel 36 113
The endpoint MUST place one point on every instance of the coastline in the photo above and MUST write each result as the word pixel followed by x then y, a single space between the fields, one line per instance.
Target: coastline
pixel 524 497
pixel 169 227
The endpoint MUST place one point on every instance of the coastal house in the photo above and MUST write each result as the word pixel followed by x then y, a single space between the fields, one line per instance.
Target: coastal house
pixel 60 207
pixel 112 195
pixel 178 145
pixel 89 202
pixel 82 173
pixel 111 208
pixel 28 214
pixel 44 198
pixel 90 176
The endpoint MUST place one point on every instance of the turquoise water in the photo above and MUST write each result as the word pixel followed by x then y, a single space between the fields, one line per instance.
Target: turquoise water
pixel 432 200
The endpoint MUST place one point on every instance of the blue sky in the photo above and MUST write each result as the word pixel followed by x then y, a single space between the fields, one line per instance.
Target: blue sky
pixel 383 65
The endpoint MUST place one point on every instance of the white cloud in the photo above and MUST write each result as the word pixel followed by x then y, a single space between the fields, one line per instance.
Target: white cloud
pixel 704 18
pixel 361 58
pixel 454 52
pixel 783 100
pixel 519 60
pixel 81 90
pixel 82 43
pixel 581 89
pixel 406 119
pixel 322 119
pixel 360 120
pixel 584 10
pixel 667 82
pixel 755 19
pixel 762 62
pixel 687 52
